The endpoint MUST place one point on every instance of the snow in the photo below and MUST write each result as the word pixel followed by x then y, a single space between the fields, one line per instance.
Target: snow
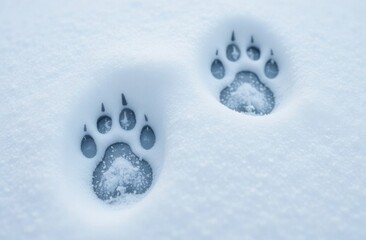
pixel 112 181
pixel 247 92
pixel 297 173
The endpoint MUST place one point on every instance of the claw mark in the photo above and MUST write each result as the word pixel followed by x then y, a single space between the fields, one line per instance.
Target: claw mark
pixel 103 109
pixel 233 36
pixel 124 102
pixel 272 60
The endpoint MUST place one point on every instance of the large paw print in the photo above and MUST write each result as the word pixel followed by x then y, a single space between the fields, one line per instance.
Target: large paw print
pixel 246 93
pixel 120 172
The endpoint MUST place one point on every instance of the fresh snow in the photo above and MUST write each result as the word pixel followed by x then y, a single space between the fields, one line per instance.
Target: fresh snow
pixel 297 173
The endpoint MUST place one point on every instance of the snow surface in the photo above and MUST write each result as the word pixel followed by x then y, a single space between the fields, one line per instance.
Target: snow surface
pixel 298 173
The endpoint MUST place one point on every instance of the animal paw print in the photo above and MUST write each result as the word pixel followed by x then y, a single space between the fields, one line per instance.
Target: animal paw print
pixel 121 172
pixel 246 93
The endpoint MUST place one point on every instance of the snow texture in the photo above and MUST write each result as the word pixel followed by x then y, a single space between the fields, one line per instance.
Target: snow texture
pixel 295 173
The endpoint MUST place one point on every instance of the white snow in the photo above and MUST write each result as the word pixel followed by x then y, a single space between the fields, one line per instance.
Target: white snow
pixel 120 167
pixel 298 173
pixel 248 95
pixel 117 176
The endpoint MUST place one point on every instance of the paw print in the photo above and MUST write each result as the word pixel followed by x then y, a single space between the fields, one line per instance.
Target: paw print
pixel 120 172
pixel 246 93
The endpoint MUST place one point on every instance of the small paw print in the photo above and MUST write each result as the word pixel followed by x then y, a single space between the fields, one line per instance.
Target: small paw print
pixel 246 93
pixel 121 172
